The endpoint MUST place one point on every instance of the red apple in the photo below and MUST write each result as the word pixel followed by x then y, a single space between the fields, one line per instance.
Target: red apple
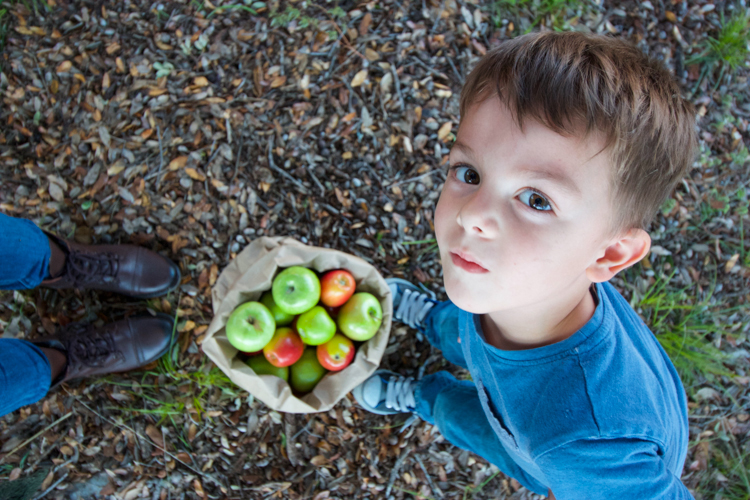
pixel 285 348
pixel 336 287
pixel 337 353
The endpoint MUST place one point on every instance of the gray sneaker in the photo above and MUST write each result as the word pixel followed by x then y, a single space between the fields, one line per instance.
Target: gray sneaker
pixel 386 393
pixel 410 302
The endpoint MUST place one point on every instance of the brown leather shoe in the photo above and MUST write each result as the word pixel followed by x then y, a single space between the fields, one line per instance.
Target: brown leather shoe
pixel 126 269
pixel 115 347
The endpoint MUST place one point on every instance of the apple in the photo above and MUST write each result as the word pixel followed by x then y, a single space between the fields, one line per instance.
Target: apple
pixel 336 287
pixel 361 316
pixel 261 366
pixel 282 318
pixel 250 327
pixel 307 372
pixel 296 289
pixel 315 326
pixel 285 348
pixel 336 354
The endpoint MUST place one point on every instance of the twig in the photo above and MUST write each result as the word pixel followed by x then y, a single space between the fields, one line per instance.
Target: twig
pixel 236 164
pixel 395 470
pixel 291 450
pixel 314 178
pixel 398 86
pixel 279 170
pixel 432 71
pixel 2 460
pixel 149 440
pixel 439 17
pixel 453 67
pixel 161 158
pixel 52 487
pixel 435 490
pixel 412 178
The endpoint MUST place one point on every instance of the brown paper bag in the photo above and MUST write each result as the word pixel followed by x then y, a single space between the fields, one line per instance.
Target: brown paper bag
pixel 252 273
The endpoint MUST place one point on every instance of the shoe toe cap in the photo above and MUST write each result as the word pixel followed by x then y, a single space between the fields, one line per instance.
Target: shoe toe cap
pixel 152 336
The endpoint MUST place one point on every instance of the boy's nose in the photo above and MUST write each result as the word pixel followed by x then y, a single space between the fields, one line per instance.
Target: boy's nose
pixel 477 220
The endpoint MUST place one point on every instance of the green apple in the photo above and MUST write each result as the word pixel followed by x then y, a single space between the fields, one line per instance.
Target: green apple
pixel 307 372
pixel 261 366
pixel 282 318
pixel 296 289
pixel 361 316
pixel 315 326
pixel 250 327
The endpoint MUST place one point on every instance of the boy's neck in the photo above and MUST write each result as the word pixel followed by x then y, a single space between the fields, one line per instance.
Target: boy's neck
pixel 527 329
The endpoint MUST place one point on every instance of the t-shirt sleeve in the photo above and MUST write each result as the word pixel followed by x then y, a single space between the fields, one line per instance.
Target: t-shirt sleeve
pixel 593 469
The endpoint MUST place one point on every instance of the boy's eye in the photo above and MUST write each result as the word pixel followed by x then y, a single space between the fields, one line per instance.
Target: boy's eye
pixel 466 174
pixel 535 200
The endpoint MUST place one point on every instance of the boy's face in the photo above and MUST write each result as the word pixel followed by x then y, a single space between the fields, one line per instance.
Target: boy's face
pixel 530 208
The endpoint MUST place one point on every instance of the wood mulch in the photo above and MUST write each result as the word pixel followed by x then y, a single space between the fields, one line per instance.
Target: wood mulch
pixel 193 127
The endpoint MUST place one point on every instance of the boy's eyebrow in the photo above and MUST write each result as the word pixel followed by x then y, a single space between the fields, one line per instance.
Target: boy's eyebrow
pixel 565 182
pixel 552 174
pixel 464 148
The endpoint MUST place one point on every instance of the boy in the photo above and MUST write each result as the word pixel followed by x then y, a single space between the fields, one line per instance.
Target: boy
pixel 567 146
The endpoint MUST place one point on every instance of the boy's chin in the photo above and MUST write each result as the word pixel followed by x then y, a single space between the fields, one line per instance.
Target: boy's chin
pixel 466 300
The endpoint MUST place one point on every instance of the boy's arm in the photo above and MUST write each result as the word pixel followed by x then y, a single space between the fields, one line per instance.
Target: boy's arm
pixel 595 469
pixel 441 330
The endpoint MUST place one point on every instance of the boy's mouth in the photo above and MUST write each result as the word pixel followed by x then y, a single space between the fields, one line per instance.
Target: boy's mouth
pixel 464 262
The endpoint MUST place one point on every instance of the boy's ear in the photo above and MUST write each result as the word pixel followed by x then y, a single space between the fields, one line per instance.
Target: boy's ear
pixel 622 253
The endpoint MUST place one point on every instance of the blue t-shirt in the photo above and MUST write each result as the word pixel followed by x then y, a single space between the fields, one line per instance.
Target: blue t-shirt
pixel 601 414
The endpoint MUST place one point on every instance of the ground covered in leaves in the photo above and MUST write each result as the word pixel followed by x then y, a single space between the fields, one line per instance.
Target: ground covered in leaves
pixel 192 128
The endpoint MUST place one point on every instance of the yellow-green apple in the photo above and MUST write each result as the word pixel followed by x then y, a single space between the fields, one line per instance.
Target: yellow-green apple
pixel 282 318
pixel 315 326
pixel 250 327
pixel 361 316
pixel 307 372
pixel 296 289
pixel 261 366
pixel 285 348
pixel 336 287
pixel 336 354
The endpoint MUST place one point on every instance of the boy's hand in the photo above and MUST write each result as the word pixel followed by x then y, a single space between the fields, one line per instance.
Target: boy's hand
pixel 550 496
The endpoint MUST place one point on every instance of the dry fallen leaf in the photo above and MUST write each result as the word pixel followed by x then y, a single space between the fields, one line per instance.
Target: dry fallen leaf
pixel 178 163
pixel 64 67
pixel 195 175
pixel 278 81
pixel 444 130
pixel 359 78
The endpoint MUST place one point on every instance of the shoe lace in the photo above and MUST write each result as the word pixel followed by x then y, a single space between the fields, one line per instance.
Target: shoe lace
pixel 413 307
pixel 84 268
pixel 88 345
pixel 399 394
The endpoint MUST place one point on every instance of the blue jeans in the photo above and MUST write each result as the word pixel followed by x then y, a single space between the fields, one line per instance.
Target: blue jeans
pixel 24 261
pixel 454 405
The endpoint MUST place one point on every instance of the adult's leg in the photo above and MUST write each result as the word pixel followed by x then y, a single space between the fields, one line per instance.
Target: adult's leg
pixel 24 254
pixel 454 407
pixel 25 374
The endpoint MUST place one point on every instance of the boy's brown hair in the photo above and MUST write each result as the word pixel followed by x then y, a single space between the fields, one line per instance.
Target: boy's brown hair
pixel 574 82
